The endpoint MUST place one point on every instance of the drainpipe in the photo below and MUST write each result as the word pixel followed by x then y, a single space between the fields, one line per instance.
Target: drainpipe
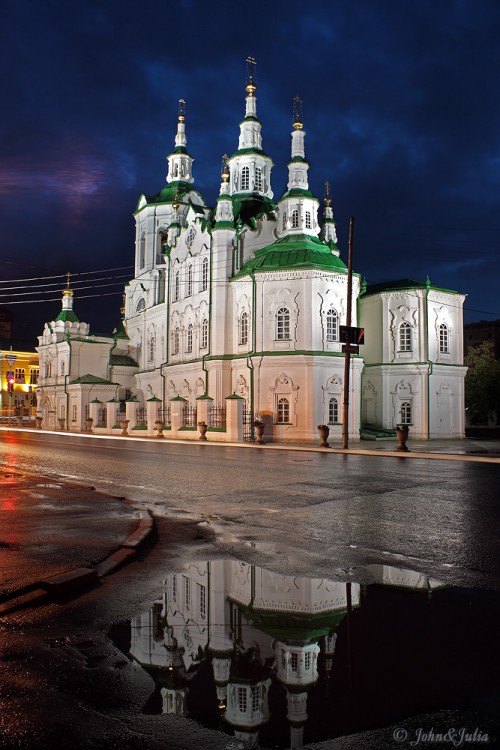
pixel 167 331
pixel 66 377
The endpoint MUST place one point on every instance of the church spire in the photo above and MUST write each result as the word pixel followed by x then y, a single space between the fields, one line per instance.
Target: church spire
pixel 224 215
pixel 298 209
pixel 250 167
pixel 67 303
pixel 328 230
pixel 180 163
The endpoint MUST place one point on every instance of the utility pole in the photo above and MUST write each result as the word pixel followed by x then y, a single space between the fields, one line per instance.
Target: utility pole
pixel 347 348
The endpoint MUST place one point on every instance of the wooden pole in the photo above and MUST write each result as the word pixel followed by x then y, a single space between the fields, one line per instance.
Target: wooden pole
pixel 347 354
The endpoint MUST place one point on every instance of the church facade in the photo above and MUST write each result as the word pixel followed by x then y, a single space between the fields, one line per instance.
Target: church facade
pixel 246 300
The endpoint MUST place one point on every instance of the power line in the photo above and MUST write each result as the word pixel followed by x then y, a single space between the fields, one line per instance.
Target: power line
pixel 63 275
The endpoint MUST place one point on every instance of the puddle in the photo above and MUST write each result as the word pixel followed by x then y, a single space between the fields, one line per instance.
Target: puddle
pixel 284 660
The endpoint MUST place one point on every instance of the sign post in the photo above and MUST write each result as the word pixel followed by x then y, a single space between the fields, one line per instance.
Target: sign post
pixel 346 348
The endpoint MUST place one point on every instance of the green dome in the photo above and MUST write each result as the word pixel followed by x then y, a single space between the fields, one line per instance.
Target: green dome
pixel 293 252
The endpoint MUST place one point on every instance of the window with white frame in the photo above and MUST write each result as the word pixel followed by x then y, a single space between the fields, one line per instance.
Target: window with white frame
pixel 283 324
pixel 189 290
pixel 444 339
pixel 405 412
pixel 332 325
pixel 242 699
pixel 283 411
pixel 244 328
pixel 74 413
pixel 202 600
pixel 63 367
pixel 204 274
pixel 189 338
pixel 258 178
pixel 256 691
pixel 141 305
pixel 307 661
pixel 245 178
pixel 308 220
pixel 405 343
pixel 295 219
pixel 187 591
pixel 142 251
pixel 284 220
pixel 151 348
pixel 333 410
pixel 176 341
pixel 204 333
pixel 177 286
pixel 174 588
pixel 190 237
pixel 294 661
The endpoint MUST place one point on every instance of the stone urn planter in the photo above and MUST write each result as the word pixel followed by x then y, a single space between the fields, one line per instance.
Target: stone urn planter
pixel 259 431
pixel 159 428
pixel 38 422
pixel 88 424
pixel 124 425
pixel 324 431
pixel 202 429
pixel 62 423
pixel 402 431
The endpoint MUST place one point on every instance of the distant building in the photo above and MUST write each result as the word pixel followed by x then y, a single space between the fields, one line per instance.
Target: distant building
pixel 483 330
pixel 5 324
pixel 246 301
pixel 19 359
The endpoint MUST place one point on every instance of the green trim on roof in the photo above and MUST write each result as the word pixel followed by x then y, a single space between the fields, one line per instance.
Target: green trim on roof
pixel 120 332
pixel 89 379
pixel 179 150
pixel 296 159
pixel 122 359
pixel 298 193
pixel 96 401
pixel 297 251
pixel 402 285
pixel 178 398
pixel 154 398
pixel 233 396
pixel 68 316
pixel 224 225
pixel 169 194
pixel 248 207
pixel 293 627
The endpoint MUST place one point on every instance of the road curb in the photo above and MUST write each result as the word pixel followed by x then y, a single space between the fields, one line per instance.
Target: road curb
pixel 69 581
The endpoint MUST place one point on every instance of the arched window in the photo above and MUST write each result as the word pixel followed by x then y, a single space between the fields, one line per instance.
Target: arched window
pixel 177 286
pixel 308 220
pixel 204 333
pixel 258 178
pixel 283 415
pixel 295 219
pixel 63 364
pixel 141 305
pixel 151 348
pixel 189 281
pixel 142 251
pixel 204 274
pixel 176 341
pixel 405 412
pixel 244 328
pixel 190 237
pixel 245 178
pixel 405 337
pixel 444 342
pixel 189 339
pixel 332 325
pixel 283 324
pixel 333 410
pixel 284 220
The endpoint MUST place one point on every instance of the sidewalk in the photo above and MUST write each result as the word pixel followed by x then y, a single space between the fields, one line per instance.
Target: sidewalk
pixel 57 536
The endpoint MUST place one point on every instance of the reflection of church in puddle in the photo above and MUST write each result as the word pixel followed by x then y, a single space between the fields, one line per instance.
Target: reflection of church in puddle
pixel 255 630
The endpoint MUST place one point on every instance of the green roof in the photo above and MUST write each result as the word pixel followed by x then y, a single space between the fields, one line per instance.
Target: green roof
pixel 91 380
pixel 171 192
pixel 295 627
pixel 68 315
pixel 122 359
pixel 120 332
pixel 247 207
pixel 293 252
pixel 402 284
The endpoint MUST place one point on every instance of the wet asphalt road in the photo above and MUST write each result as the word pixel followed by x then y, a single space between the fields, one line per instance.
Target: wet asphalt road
pixel 309 513
pixel 64 681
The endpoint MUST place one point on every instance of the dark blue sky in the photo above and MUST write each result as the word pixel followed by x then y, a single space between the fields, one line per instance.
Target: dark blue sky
pixel 400 107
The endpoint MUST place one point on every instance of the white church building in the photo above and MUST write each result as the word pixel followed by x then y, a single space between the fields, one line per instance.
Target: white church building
pixel 233 316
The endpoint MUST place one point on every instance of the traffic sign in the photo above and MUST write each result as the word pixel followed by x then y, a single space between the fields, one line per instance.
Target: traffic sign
pixel 11 358
pixel 350 349
pixel 10 374
pixel 352 335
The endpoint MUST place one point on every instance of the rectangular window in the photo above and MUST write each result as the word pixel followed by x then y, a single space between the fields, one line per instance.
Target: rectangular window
pixel 202 599
pixel 174 588
pixel 34 377
pixel 255 697
pixel 74 413
pixel 187 592
pixel 307 660
pixel 294 662
pixel 20 375
pixel 242 699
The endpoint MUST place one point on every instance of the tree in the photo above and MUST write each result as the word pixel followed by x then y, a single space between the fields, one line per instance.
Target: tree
pixel 482 383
